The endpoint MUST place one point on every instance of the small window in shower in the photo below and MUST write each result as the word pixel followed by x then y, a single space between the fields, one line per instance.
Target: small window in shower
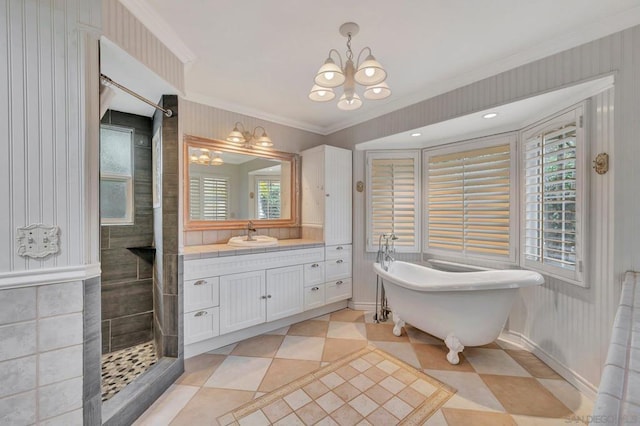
pixel 116 175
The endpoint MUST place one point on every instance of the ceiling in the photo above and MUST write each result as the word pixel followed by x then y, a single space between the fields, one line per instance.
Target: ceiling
pixel 259 58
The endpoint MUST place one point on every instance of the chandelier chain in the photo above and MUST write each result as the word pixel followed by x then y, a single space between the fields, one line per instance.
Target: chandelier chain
pixel 349 52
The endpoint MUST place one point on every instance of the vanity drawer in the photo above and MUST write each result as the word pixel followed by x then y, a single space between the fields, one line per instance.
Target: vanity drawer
pixel 314 296
pixel 313 273
pixel 338 268
pixel 337 290
pixel 201 325
pixel 201 293
pixel 337 252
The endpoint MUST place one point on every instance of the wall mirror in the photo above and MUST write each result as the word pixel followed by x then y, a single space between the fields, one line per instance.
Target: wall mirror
pixel 226 185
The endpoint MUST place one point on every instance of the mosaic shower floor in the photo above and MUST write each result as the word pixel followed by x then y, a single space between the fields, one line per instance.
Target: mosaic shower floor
pixel 121 367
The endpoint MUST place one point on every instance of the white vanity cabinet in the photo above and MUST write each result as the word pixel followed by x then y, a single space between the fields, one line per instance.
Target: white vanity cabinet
pixel 229 298
pixel 326 192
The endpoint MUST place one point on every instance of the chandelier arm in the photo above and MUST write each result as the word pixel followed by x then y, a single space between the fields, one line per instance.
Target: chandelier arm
pixel 339 57
pixel 360 54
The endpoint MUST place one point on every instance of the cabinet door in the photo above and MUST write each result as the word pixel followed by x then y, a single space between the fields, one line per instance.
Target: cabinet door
pixel 201 325
pixel 201 293
pixel 313 273
pixel 337 290
pixel 313 193
pixel 242 300
pixel 284 292
pixel 338 196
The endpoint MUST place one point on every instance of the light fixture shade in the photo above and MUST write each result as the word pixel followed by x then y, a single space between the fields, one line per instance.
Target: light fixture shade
pixel 321 94
pixel 349 105
pixel 236 136
pixel 377 91
pixel 370 72
pixel 264 141
pixel 204 158
pixel 217 161
pixel 329 74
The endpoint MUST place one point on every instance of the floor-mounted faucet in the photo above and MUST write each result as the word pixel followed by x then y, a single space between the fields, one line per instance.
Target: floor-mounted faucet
pixel 250 229
pixel 385 251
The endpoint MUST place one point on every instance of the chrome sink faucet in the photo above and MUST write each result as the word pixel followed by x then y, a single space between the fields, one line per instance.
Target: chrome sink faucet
pixel 250 229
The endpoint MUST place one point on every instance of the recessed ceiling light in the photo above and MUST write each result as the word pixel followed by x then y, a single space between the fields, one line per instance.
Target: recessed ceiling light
pixel 490 115
pixel 416 134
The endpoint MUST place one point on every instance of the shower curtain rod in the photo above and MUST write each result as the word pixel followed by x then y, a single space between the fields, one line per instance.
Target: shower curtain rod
pixel 166 111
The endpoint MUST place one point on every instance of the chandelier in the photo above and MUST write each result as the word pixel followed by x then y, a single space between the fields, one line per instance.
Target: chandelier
pixel 203 156
pixel 244 137
pixel 369 74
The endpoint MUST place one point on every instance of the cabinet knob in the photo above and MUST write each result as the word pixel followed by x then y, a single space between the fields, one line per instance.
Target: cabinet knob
pixel 268 296
pixel 200 282
pixel 339 282
pixel 200 313
pixel 315 265
pixel 339 261
pixel 315 288
pixel 326 195
pixel 263 297
pixel 339 248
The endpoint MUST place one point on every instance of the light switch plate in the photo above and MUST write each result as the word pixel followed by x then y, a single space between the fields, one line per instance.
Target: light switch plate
pixel 38 240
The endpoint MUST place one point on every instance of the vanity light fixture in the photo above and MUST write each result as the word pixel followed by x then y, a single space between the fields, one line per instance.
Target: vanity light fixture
pixel 490 115
pixel 244 137
pixel 369 73
pixel 203 156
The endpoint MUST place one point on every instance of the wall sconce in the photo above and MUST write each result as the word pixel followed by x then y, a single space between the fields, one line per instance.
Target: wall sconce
pixel 245 137
pixel 601 163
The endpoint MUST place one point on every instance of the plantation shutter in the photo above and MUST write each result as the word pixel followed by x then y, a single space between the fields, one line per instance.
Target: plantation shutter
pixel 209 198
pixel 551 191
pixel 393 200
pixel 468 201
pixel 268 198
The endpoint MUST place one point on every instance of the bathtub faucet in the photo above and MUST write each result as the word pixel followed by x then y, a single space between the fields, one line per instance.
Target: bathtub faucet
pixel 385 251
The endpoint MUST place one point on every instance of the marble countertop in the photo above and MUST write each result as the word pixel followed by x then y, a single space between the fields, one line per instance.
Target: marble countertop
pixel 215 250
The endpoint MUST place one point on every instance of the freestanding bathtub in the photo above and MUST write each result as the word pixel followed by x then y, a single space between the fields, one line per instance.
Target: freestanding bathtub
pixel 462 308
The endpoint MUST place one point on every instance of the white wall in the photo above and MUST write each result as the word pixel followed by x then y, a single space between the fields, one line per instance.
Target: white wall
pixel 48 174
pixel 570 324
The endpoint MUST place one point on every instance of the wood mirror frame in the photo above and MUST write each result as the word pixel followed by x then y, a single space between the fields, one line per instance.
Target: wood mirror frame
pixel 190 141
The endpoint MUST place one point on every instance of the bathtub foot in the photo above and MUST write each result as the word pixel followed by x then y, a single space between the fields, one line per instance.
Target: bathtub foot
pixel 455 347
pixel 398 324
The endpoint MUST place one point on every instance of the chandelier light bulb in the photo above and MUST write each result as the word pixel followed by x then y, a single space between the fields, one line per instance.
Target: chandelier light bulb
pixel 369 72
pixel 329 75
pixel 321 94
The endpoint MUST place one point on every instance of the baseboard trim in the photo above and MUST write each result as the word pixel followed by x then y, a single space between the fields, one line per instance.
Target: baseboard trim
pixel 362 306
pixel 583 385
pixel 34 277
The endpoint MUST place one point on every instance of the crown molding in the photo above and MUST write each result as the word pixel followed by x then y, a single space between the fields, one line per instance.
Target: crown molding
pixel 262 115
pixel 155 23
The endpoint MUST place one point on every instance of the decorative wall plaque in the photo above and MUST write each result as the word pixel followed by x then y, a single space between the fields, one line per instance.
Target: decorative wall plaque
pixel 38 240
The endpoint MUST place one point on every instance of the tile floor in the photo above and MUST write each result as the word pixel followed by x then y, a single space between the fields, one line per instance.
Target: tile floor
pixel 120 368
pixel 495 385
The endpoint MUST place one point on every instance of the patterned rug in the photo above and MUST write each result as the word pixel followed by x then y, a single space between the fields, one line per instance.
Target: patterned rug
pixel 121 367
pixel 368 384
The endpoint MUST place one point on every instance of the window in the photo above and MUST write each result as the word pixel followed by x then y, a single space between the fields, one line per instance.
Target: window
pixel 468 199
pixel 553 195
pixel 208 198
pixel 393 192
pixel 116 175
pixel 268 199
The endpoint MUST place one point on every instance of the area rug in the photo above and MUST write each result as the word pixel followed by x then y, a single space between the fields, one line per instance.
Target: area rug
pixel 369 384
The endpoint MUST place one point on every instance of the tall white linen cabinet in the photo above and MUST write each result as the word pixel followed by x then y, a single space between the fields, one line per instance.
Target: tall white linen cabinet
pixel 327 211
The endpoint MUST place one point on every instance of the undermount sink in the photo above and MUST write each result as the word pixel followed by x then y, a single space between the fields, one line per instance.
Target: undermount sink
pixel 258 241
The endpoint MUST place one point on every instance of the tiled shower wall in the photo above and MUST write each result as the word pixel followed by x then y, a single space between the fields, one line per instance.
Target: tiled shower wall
pixel 41 330
pixel 127 279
